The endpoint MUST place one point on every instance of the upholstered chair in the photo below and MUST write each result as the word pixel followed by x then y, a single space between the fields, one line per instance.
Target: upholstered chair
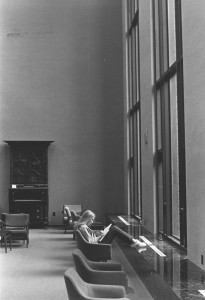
pixel 67 219
pixel 75 217
pixel 92 273
pixel 78 289
pixel 5 236
pixel 17 225
pixel 100 265
pixel 70 216
pixel 94 252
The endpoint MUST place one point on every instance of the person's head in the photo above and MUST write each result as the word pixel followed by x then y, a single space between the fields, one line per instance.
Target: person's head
pixel 87 218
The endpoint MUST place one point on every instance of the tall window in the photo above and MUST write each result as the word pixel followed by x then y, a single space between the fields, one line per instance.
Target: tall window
pixel 169 109
pixel 134 164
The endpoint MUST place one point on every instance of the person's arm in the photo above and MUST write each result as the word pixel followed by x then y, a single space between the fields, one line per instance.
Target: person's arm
pixel 101 234
pixel 88 234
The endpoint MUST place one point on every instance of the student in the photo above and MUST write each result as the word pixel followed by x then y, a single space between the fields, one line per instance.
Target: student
pixel 88 217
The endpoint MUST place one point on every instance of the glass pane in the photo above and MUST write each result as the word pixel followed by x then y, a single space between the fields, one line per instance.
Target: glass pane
pixel 137 65
pixel 159 122
pixel 133 8
pixel 135 164
pixel 139 165
pixel 157 39
pixel 131 136
pixel 134 69
pixel 135 142
pixel 174 157
pixel 165 37
pixel 136 5
pixel 160 195
pixel 128 13
pixel 172 32
pixel 131 191
pixel 130 72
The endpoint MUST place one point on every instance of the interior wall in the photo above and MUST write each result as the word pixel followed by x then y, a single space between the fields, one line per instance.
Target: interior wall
pixel 193 23
pixel 61 80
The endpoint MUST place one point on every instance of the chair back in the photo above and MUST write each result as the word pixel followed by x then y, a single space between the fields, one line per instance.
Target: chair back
pixel 76 207
pixel 15 220
pixel 82 267
pixel 74 216
pixel 98 266
pixel 66 211
pixel 81 242
pixel 90 275
pixel 18 225
pixel 76 287
pixel 78 254
pixel 67 218
pixel 94 252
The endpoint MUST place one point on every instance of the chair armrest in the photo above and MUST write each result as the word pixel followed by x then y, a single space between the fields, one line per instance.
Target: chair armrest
pixel 106 266
pixel 106 291
pixel 107 277
pixel 93 251
pixel 97 252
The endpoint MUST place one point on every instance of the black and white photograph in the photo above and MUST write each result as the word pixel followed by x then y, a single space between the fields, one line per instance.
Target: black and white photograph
pixel 102 149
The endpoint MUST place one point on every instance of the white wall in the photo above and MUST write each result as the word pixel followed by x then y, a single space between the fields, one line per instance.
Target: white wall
pixel 61 80
pixel 193 23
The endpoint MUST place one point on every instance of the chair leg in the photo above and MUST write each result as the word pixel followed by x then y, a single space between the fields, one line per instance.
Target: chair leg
pixel 5 243
pixel 10 241
pixel 73 235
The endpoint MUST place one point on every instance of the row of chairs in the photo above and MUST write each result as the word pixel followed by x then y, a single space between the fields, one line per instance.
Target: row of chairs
pixel 95 280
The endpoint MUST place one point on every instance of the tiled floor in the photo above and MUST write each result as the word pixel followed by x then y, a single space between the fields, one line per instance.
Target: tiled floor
pixel 171 276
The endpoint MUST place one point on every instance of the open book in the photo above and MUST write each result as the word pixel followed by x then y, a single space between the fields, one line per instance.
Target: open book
pixel 105 231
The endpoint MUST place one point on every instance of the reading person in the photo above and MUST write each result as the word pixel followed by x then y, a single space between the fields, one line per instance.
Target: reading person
pixel 88 217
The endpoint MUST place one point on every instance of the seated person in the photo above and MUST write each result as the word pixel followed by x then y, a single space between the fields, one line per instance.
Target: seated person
pixel 88 218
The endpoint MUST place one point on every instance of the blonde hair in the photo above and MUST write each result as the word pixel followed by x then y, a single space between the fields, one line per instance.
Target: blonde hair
pixel 86 216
